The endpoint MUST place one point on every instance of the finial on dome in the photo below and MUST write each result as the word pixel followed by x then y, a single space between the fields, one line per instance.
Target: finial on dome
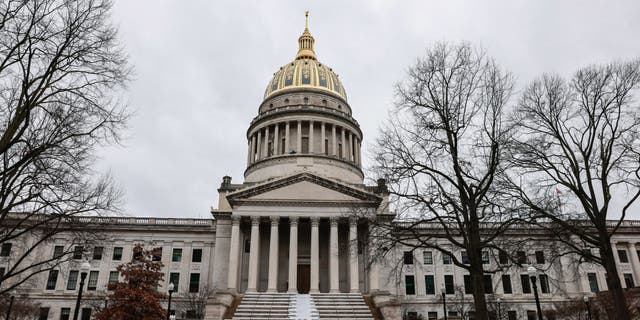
pixel 305 42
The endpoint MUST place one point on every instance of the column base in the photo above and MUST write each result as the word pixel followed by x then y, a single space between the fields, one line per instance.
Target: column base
pixel 272 290
pixel 314 291
pixel 292 291
pixel 334 291
pixel 354 291
pixel 252 290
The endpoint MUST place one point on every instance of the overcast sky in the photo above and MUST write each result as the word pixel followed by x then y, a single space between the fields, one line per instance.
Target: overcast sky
pixel 201 68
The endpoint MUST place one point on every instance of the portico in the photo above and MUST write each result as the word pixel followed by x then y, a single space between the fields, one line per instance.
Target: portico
pixel 302 254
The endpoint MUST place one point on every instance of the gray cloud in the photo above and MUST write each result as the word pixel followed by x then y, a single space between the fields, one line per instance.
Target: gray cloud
pixel 202 67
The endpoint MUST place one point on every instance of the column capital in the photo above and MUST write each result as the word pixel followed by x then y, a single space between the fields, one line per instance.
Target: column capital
pixel 333 221
pixel 274 219
pixel 255 220
pixel 293 221
pixel 315 221
pixel 235 220
pixel 353 221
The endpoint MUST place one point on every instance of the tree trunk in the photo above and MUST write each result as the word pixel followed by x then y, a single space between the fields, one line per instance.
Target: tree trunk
pixel 613 281
pixel 476 272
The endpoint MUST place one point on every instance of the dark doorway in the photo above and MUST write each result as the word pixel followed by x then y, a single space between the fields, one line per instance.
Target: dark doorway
pixel 304 279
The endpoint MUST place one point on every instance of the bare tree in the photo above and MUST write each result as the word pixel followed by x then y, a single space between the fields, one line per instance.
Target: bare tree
pixel 578 149
pixel 22 307
pixel 61 71
pixel 192 305
pixel 442 154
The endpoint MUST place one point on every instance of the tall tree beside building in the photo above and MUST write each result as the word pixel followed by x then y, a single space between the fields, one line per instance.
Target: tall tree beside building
pixel 441 154
pixel 61 72
pixel 578 152
pixel 137 297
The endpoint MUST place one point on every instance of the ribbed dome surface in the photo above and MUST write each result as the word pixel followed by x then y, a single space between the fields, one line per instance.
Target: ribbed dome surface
pixel 305 73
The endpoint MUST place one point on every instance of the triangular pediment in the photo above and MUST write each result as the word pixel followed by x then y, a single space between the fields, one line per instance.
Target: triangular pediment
pixel 303 188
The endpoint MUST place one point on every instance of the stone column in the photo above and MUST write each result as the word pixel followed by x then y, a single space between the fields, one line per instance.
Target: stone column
pixel 311 150
pixel 293 255
pixel 344 144
pixel 334 283
pixel 259 148
pixel 315 255
pixel 374 284
pixel 333 136
pixel 322 138
pixel 234 253
pixel 273 256
pixel 299 137
pixel 635 262
pixel 265 145
pixel 254 255
pixel 249 152
pixel 276 150
pixel 287 136
pixel 351 147
pixel 357 151
pixel 353 255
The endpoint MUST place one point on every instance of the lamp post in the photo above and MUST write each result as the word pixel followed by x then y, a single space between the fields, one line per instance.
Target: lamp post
pixel 586 302
pixel 444 302
pixel 13 296
pixel 170 287
pixel 499 309
pixel 84 269
pixel 532 275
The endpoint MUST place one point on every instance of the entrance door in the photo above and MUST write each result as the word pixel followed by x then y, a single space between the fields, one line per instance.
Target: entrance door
pixel 304 278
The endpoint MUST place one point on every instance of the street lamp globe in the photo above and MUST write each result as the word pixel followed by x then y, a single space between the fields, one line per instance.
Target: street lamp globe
pixel 532 271
pixel 499 300
pixel 170 287
pixel 585 299
pixel 85 267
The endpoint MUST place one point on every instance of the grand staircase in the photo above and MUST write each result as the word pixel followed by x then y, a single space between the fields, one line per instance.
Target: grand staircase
pixel 338 306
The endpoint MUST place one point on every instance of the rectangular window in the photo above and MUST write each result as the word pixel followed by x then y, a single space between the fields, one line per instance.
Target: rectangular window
pixel 427 257
pixel 58 251
pixel 305 145
pixel 97 253
pixel 446 258
pixel 409 285
pixel 429 284
pixel 432 315
pixel 467 284
pixel 622 255
pixel 512 315
pixel 52 280
pixel 86 314
pixel 540 257
pixel 44 314
pixel 408 257
pixel 485 257
pixel 93 281
pixel 6 249
pixel 448 284
pixel 488 284
pixel 73 280
pixel 544 283
pixel 522 257
pixel 197 255
pixel 77 252
pixel 174 277
pixel 64 313
pixel 506 284
pixel 194 282
pixel 117 253
pixel 593 282
pixel 326 147
pixel 114 276
pixel 526 285
pixel 628 279
pixel 531 315
pixel 464 256
pixel 503 258
pixel 157 254
pixel 176 256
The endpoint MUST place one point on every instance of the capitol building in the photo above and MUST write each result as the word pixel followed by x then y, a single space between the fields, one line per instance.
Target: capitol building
pixel 289 240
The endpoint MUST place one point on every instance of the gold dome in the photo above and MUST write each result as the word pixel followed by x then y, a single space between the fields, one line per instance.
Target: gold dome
pixel 305 71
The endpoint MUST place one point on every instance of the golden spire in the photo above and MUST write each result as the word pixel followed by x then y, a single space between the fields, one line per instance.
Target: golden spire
pixel 305 42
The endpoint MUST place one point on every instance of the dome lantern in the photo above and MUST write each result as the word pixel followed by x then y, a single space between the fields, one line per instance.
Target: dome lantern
pixel 305 42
